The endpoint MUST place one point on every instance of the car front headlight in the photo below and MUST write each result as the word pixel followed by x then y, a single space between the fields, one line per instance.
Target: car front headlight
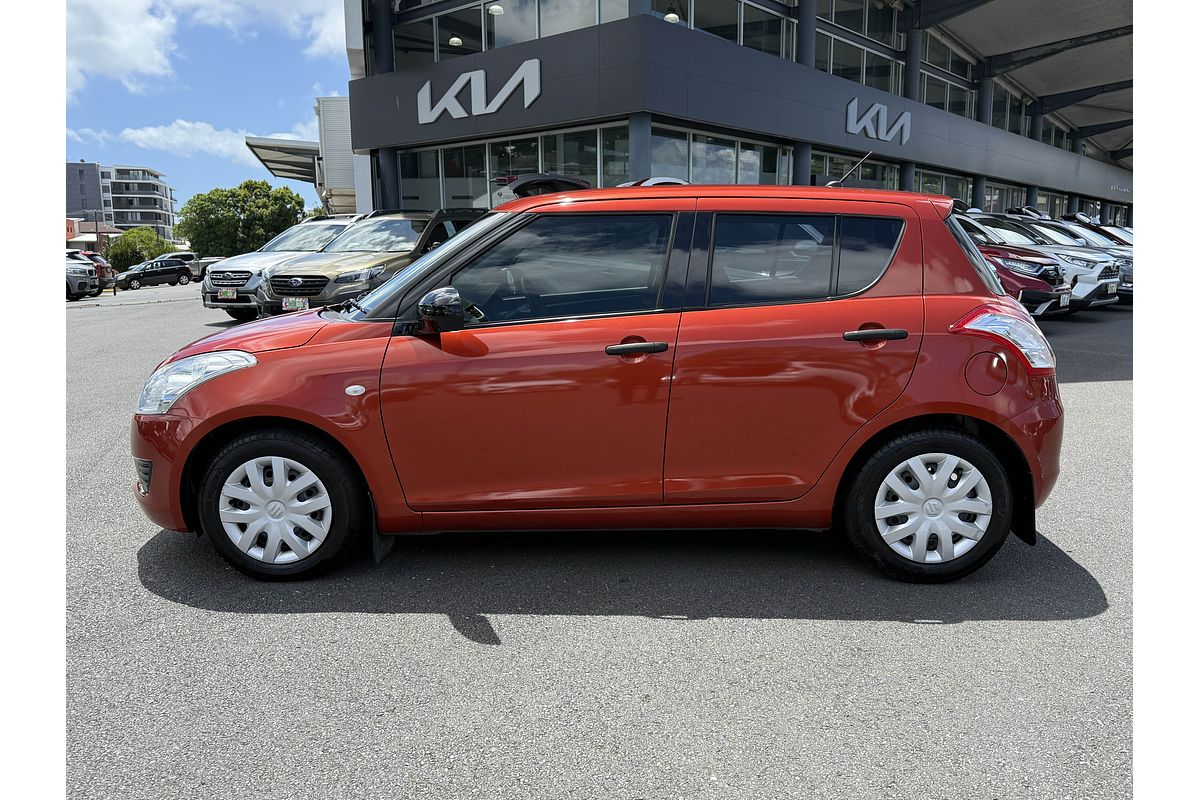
pixel 359 275
pixel 1078 261
pixel 171 381
pixel 76 271
pixel 1024 267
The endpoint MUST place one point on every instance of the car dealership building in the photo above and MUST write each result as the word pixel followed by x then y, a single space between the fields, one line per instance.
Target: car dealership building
pixel 999 102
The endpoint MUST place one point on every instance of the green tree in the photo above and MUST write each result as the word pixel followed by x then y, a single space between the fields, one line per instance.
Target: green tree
pixel 229 222
pixel 135 246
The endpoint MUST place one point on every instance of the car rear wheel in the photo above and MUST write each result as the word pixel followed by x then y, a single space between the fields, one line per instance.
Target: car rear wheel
pixel 242 314
pixel 930 506
pixel 280 504
pixel 184 280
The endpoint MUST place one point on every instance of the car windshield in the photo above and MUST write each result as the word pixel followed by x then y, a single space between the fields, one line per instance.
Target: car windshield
pixel 379 236
pixel 1008 232
pixel 1126 237
pixel 382 303
pixel 1090 236
pixel 1055 234
pixel 303 238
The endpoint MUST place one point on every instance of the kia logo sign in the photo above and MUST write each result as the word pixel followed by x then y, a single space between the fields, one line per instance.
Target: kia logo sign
pixel 528 76
pixel 874 122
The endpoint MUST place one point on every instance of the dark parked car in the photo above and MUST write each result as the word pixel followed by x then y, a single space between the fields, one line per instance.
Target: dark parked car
pixel 151 273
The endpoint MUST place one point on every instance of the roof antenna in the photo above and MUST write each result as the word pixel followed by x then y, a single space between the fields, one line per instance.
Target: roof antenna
pixel 851 171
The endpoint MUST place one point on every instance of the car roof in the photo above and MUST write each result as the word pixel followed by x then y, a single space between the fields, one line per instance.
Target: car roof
pixel 943 203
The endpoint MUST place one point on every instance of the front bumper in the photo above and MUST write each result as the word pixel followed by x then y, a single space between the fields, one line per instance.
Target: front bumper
pixel 1090 295
pixel 271 302
pixel 155 443
pixel 245 295
pixel 82 284
pixel 1047 303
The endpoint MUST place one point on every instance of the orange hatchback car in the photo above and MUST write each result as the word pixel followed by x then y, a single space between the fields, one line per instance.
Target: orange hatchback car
pixel 655 357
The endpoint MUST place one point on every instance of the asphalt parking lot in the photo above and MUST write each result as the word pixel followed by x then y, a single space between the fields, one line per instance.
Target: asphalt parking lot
pixel 737 664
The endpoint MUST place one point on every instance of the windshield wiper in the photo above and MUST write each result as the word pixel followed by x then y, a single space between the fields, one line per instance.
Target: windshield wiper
pixel 351 303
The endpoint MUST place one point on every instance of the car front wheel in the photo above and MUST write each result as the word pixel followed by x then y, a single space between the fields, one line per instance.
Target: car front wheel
pixel 930 506
pixel 135 284
pixel 280 504
pixel 242 314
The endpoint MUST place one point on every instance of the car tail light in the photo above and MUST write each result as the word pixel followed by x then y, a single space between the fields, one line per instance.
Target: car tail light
pixel 1013 328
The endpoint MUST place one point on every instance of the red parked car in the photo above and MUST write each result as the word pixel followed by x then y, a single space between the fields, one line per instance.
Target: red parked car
pixel 657 357
pixel 1033 278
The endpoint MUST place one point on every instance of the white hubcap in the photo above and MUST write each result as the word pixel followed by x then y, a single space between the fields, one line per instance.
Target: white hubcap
pixel 933 508
pixel 275 509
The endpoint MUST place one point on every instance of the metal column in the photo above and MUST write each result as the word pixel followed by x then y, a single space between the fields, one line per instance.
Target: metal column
pixel 385 61
pixel 914 47
pixel 640 164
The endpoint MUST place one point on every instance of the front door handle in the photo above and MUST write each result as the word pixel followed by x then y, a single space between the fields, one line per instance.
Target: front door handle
pixel 635 347
pixel 874 334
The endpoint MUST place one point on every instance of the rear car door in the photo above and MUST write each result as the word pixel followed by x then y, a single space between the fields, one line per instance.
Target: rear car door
pixel 772 371
pixel 555 393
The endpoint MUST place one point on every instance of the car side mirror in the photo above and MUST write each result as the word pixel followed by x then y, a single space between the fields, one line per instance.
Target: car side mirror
pixel 440 311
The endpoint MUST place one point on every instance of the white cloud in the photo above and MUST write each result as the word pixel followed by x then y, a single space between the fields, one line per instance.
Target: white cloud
pixel 130 41
pixel 133 41
pixel 187 138
pixel 89 136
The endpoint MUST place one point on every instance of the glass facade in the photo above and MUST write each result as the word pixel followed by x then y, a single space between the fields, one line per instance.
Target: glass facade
pixel 959 186
pixel 476 174
pixel 1052 203
pixel 699 157
pixel 1001 196
pixel 859 40
pixel 831 166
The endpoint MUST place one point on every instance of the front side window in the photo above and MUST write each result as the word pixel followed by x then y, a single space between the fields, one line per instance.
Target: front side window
pixel 379 236
pixel 562 265
pixel 303 238
pixel 770 258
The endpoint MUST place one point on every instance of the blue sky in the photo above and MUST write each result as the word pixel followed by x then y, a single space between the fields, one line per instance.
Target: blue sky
pixel 176 84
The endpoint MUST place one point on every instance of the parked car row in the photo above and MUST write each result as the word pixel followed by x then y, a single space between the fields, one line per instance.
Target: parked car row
pixel 1053 266
pixel 329 260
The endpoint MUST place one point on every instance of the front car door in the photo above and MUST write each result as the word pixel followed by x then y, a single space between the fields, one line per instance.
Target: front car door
pixel 555 394
pixel 770 377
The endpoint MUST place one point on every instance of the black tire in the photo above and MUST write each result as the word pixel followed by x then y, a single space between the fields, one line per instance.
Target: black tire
pixel 243 314
pixel 95 293
pixel 184 280
pixel 349 505
pixel 134 284
pixel 858 511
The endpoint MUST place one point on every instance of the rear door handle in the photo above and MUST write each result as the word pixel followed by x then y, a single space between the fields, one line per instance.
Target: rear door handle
pixel 635 347
pixel 874 334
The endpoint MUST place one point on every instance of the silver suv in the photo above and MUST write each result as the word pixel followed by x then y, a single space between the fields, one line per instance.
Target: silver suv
pixel 232 284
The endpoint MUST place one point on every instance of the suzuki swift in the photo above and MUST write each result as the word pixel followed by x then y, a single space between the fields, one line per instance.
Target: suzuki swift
pixel 631 358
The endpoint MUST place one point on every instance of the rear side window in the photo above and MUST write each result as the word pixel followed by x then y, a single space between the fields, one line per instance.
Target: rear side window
pixel 570 265
pixel 866 247
pixel 770 258
pixel 987 273
pixel 787 258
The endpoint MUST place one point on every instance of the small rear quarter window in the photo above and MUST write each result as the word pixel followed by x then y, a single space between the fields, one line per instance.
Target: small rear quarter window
pixel 866 247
